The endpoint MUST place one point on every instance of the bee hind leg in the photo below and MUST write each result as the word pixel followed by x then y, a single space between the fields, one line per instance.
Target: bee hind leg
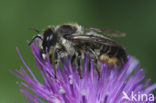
pixel 89 65
pixel 95 62
pixel 79 64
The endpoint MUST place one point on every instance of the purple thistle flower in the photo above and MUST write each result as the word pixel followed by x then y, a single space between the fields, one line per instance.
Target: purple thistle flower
pixel 115 85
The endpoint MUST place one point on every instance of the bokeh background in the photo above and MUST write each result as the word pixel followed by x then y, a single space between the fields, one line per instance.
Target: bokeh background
pixel 135 17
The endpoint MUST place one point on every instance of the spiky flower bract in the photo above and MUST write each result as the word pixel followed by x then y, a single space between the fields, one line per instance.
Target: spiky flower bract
pixel 68 87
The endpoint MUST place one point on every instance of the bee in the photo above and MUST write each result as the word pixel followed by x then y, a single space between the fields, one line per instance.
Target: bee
pixel 78 41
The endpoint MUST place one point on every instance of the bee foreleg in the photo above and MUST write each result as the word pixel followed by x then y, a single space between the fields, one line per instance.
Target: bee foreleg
pixel 43 54
pixel 56 63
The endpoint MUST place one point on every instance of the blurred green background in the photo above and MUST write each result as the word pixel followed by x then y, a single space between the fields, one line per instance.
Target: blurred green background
pixel 135 17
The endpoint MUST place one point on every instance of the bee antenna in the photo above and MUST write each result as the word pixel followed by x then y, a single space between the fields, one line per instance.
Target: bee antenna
pixel 37 36
pixel 34 29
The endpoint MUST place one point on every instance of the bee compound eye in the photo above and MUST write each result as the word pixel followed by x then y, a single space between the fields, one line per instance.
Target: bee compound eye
pixel 49 39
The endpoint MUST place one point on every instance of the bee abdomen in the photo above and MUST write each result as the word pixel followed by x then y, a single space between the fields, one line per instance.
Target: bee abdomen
pixel 122 56
pixel 113 55
pixel 104 58
pixel 104 49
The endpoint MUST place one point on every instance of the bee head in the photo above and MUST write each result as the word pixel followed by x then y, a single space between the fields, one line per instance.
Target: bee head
pixel 49 38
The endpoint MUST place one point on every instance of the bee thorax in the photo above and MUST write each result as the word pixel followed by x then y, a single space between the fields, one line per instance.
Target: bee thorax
pixel 68 46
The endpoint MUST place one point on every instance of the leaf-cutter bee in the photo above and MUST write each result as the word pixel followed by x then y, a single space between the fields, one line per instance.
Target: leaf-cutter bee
pixel 77 41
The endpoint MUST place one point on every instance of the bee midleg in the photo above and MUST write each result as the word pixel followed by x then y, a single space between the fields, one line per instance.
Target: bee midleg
pixel 79 64
pixel 97 68
pixel 73 58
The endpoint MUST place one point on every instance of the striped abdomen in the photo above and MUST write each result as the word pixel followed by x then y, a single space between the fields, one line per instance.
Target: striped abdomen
pixel 113 55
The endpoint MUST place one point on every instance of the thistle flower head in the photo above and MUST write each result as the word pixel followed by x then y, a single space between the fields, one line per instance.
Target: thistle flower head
pixel 115 84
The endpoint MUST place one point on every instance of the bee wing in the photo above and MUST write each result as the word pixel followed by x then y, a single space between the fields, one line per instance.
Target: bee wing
pixel 92 39
pixel 109 32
